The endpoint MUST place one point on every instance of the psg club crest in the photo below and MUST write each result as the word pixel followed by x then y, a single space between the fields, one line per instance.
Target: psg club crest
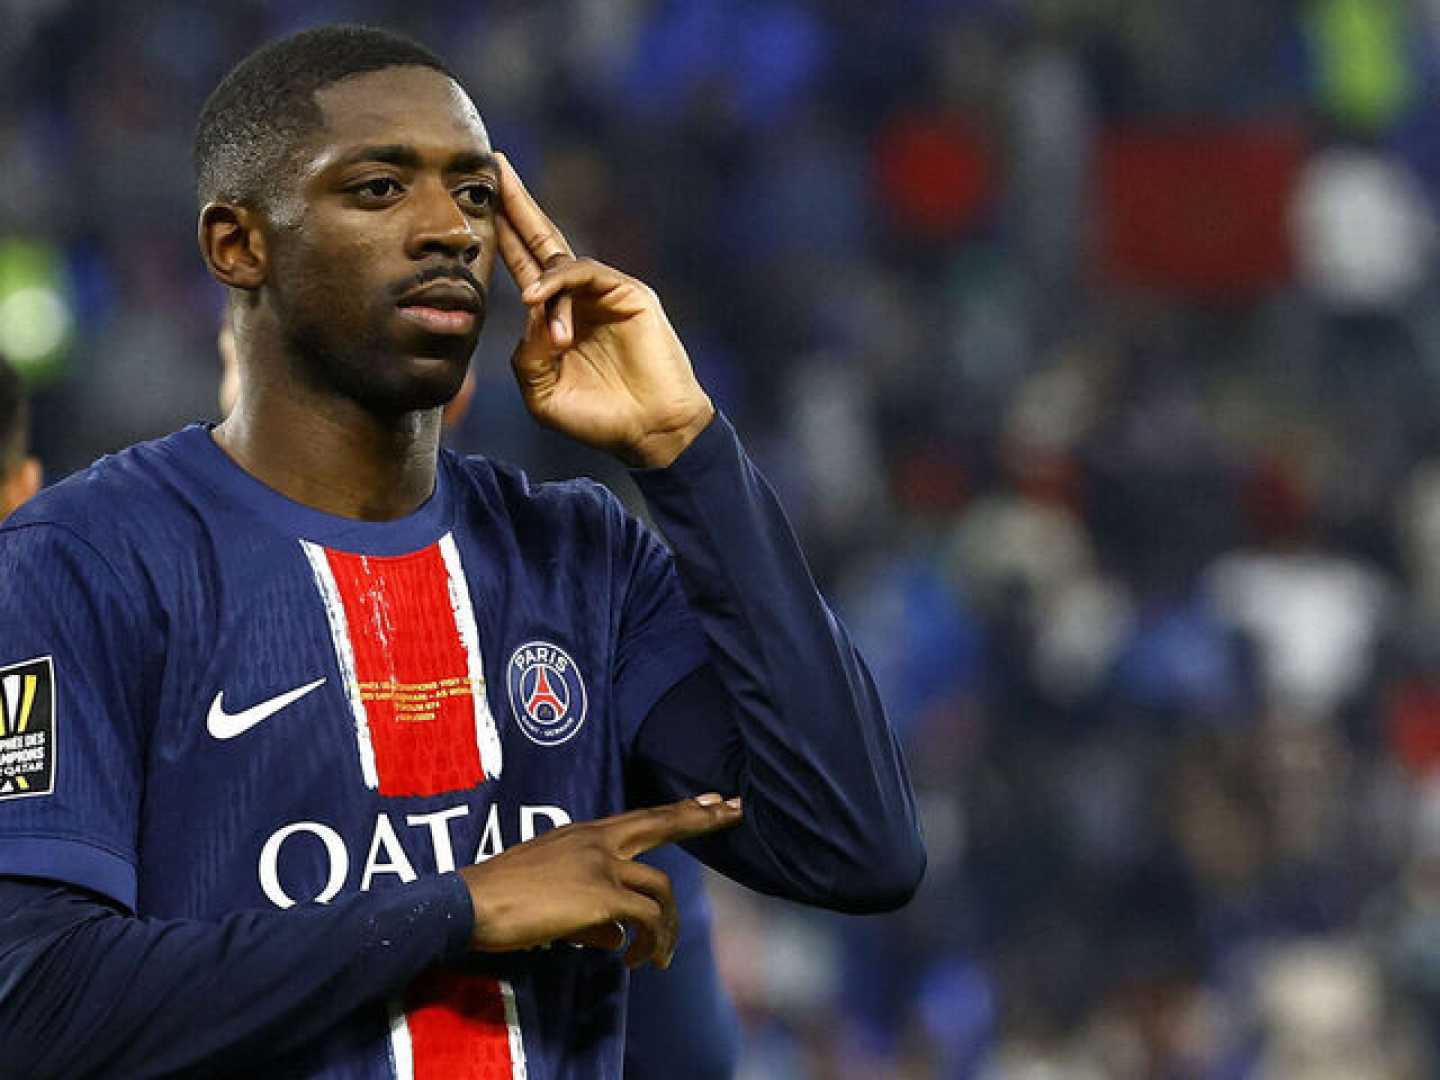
pixel 547 694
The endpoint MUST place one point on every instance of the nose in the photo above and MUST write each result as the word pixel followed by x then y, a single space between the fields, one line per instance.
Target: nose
pixel 441 227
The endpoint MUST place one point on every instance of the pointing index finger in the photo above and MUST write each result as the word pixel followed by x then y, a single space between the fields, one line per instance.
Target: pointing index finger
pixel 641 830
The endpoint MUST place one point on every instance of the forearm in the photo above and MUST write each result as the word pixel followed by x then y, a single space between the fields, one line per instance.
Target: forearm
pixel 830 813
pixel 86 989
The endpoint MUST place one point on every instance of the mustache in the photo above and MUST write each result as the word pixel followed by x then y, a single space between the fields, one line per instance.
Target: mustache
pixel 440 272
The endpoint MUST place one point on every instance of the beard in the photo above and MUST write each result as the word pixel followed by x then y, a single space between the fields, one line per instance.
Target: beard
pixel 344 347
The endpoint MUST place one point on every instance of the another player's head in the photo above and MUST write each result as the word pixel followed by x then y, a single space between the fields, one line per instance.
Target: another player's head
pixel 229 390
pixel 19 472
pixel 348 195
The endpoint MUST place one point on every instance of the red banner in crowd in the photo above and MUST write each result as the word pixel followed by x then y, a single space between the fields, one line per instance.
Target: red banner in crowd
pixel 1201 210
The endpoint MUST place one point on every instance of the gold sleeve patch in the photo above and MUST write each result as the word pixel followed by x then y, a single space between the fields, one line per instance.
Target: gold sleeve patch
pixel 27 728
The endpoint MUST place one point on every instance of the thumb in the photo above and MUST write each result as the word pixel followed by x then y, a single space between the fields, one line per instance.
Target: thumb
pixel 532 360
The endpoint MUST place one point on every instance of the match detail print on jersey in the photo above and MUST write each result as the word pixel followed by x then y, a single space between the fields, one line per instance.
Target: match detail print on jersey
pixel 455 1026
pixel 408 649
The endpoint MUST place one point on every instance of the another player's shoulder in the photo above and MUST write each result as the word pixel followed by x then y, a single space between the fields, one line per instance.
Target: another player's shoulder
pixel 124 498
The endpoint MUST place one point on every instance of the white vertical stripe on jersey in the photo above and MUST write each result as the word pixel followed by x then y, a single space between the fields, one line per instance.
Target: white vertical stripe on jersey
pixel 487 738
pixel 345 655
pixel 512 1027
pixel 402 1053
pixel 11 715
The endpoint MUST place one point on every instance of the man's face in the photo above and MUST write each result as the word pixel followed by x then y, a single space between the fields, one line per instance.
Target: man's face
pixel 382 252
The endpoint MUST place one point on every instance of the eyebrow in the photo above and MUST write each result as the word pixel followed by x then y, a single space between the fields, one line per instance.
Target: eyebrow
pixel 406 157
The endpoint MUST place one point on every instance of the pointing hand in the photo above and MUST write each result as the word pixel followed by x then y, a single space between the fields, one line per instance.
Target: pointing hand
pixel 580 883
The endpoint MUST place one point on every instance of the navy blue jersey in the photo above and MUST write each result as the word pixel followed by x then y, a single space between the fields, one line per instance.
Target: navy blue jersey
pixel 682 1014
pixel 213 698
pixel 268 733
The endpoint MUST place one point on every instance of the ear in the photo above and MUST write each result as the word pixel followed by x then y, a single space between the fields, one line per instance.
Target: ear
pixel 233 245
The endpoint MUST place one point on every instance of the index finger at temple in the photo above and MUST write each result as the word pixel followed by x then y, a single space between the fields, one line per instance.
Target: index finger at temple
pixel 641 830
pixel 523 266
pixel 542 238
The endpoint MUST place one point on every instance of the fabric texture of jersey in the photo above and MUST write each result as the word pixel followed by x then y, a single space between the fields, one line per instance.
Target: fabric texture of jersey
pixel 256 705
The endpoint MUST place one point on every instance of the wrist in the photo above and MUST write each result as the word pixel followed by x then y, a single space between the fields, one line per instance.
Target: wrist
pixel 482 917
pixel 659 448
pixel 459 913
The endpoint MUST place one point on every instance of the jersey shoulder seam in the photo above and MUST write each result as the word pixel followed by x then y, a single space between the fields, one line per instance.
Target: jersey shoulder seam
pixel 83 540
pixel 73 532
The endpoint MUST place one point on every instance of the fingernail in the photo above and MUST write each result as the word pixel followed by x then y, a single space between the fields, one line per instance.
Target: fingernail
pixel 557 328
pixel 734 803
pixel 710 798
pixel 532 291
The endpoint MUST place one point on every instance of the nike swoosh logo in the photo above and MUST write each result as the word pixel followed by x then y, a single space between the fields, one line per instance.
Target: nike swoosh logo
pixel 224 725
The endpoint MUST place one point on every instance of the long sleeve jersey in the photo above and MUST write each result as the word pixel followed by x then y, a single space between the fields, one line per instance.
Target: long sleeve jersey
pixel 245 745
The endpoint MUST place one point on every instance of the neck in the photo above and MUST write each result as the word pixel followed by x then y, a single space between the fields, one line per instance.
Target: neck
pixel 333 454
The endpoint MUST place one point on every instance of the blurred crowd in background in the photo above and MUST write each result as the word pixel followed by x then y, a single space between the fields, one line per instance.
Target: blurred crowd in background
pixel 1094 346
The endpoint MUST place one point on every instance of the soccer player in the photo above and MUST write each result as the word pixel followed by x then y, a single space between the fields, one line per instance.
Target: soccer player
pixel 20 474
pixel 682 1013
pixel 321 746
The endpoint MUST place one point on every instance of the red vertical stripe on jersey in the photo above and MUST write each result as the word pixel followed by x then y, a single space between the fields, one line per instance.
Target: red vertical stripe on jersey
pixel 411 664
pixel 457 1028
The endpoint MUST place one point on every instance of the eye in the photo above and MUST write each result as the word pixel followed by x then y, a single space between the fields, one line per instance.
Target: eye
pixel 478 196
pixel 378 188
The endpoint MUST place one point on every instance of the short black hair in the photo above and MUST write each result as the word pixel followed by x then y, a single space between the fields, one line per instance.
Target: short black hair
pixel 14 419
pixel 257 117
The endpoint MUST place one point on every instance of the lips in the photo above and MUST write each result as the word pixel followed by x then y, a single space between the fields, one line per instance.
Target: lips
pixel 443 296
pixel 443 307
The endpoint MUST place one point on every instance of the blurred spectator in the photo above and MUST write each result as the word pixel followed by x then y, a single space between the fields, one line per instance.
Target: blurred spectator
pixel 1323 1013
pixel 1316 619
pixel 1361 61
pixel 1364 232
pixel 19 472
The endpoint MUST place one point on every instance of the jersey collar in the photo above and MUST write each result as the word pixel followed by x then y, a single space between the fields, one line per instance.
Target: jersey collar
pixel 199 453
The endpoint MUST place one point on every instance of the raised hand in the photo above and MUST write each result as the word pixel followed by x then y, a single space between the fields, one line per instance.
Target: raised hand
pixel 580 883
pixel 599 360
